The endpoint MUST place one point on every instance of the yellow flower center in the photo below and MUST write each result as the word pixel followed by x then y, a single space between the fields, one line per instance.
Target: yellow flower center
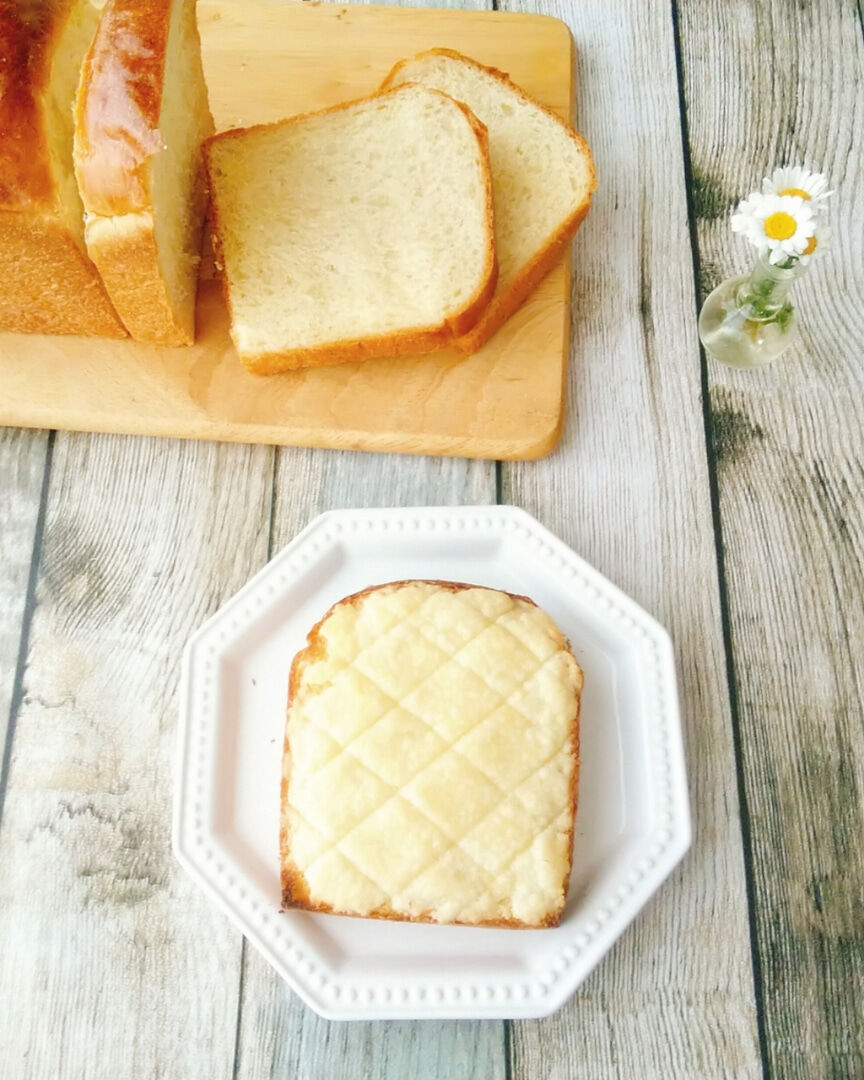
pixel 780 226
pixel 811 246
pixel 796 191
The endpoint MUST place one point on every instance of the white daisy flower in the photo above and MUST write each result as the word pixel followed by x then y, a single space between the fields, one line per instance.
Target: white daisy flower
pixel 745 220
pixel 796 180
pixel 817 245
pixel 781 225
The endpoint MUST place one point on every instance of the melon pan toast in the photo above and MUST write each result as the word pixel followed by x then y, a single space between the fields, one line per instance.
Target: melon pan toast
pixel 431 759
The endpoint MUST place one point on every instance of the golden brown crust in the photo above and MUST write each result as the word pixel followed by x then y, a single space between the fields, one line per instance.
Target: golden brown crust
pixel 295 892
pixel 574 788
pixel 511 297
pixel 52 287
pixel 117 137
pixel 129 267
pixel 400 343
pixel 28 37
pixel 386 912
pixel 118 106
pixel 406 343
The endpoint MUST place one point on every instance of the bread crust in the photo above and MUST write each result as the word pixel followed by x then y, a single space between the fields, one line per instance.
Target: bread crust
pixel 504 303
pixel 128 263
pixel 295 893
pixel 407 342
pixel 117 136
pixel 51 287
pixel 28 37
pixel 118 105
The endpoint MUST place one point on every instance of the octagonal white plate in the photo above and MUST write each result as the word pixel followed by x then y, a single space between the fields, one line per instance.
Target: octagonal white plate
pixel 633 822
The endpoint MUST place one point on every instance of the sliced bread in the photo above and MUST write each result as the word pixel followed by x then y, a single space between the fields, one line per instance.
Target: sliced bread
pixel 431 759
pixel 542 175
pixel 141 116
pixel 49 285
pixel 364 230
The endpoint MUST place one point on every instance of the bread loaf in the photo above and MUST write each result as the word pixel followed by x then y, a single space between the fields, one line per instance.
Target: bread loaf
pixel 542 175
pixel 363 230
pixel 141 116
pixel 49 285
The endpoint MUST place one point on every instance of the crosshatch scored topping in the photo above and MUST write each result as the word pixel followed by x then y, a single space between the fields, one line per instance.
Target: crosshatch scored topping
pixel 431 757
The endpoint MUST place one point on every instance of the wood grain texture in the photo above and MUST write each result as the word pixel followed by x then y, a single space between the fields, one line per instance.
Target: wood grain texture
pixel 790 475
pixel 263 61
pixel 117 966
pixel 278 1035
pixel 114 964
pixel 628 489
pixel 22 464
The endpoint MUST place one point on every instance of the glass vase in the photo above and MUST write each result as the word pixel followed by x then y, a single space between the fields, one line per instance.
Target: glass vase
pixel 749 321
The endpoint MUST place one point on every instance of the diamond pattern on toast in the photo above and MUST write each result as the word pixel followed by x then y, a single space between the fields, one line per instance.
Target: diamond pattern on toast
pixel 431 759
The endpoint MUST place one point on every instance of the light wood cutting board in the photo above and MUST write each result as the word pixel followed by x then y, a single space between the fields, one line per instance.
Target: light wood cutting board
pixel 264 60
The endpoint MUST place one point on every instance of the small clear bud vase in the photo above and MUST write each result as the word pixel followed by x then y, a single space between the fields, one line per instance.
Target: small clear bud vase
pixel 749 321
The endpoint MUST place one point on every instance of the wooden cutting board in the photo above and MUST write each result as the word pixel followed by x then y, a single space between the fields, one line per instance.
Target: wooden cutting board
pixel 265 60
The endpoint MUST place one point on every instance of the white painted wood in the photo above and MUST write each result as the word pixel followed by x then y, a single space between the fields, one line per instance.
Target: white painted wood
pixel 309 1048
pixel 22 464
pixel 791 488
pixel 279 1036
pixel 114 964
pixel 629 490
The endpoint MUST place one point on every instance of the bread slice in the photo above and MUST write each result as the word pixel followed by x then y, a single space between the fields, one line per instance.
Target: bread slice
pixel 141 116
pixel 49 285
pixel 363 230
pixel 431 759
pixel 542 175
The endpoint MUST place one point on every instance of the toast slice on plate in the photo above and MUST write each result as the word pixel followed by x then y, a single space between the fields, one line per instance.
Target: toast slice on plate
pixel 431 759
pixel 542 175
pixel 364 230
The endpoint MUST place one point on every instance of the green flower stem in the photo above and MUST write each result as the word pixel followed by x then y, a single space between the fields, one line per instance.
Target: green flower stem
pixel 764 297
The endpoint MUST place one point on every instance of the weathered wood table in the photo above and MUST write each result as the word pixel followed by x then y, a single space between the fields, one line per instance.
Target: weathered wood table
pixel 730 505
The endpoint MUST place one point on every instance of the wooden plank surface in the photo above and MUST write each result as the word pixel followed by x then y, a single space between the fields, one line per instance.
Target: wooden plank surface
pixel 23 456
pixel 265 60
pixel 628 489
pixel 114 964
pixel 767 84
pixel 278 1035
pixel 99 928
